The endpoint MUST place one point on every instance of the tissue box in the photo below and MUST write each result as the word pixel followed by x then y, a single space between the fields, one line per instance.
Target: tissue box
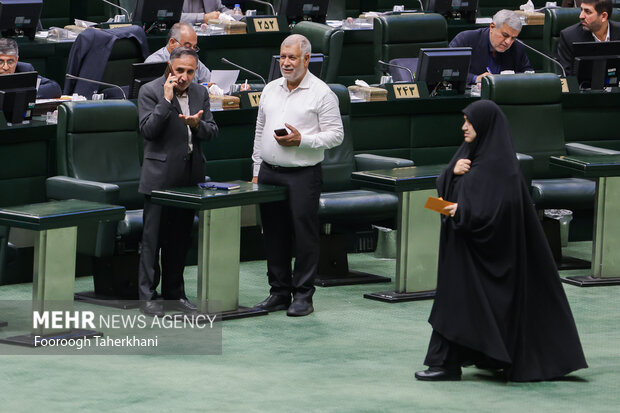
pixel 532 18
pixel 367 94
pixel 225 102
pixel 230 27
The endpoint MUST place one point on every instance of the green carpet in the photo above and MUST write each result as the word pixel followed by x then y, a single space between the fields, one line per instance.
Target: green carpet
pixel 351 355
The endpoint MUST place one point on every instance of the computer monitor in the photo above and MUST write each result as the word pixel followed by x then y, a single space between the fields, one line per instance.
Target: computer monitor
pixel 314 66
pixel 299 10
pixel 142 73
pixel 158 12
pixel 596 64
pixel 454 9
pixel 444 69
pixel 18 93
pixel 20 17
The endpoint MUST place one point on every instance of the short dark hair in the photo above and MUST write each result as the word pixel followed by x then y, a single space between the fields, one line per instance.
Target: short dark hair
pixel 600 6
pixel 183 51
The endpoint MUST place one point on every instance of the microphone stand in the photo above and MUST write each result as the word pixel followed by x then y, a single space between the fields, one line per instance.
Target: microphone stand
pixel 545 56
pixel 399 67
pixel 228 62
pixel 266 3
pixel 70 76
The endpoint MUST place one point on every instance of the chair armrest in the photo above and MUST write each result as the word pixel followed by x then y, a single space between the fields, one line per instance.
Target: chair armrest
pixel 368 162
pixel 526 162
pixel 65 187
pixel 582 149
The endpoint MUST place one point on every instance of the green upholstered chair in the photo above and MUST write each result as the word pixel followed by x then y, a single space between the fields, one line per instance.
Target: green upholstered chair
pixel 344 207
pixel 532 104
pixel 399 36
pixel 557 20
pixel 56 13
pixel 98 159
pixel 326 40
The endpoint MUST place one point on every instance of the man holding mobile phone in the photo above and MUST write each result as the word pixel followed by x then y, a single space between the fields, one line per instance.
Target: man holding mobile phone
pixel 298 118
pixel 174 118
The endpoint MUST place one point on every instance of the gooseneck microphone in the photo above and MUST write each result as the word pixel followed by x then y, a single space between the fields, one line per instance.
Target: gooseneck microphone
pixel 119 7
pixel 399 67
pixel 551 59
pixel 228 62
pixel 70 76
pixel 266 3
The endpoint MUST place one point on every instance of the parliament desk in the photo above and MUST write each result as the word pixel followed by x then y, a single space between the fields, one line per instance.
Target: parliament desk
pixel 219 213
pixel 418 229
pixel 54 255
pixel 606 238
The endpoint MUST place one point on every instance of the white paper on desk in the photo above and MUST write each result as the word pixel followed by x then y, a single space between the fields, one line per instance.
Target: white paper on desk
pixel 224 78
pixel 484 20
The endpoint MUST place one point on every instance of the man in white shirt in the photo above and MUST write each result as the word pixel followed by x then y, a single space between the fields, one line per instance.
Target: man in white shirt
pixel 181 35
pixel 298 118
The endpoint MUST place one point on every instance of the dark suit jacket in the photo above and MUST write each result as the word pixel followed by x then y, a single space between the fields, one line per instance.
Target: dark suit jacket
pixel 514 58
pixel 165 137
pixel 576 33
pixel 48 89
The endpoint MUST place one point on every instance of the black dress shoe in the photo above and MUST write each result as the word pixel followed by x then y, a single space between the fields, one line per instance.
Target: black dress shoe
pixel 152 308
pixel 182 305
pixel 439 374
pixel 300 307
pixel 274 303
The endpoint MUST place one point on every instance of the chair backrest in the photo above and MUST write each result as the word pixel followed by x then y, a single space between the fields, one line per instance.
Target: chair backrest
pixel 125 52
pixel 404 35
pixel 326 40
pixel 533 105
pixel 99 141
pixel 339 162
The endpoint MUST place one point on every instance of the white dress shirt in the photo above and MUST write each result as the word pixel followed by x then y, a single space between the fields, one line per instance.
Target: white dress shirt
pixel 311 108
pixel 596 39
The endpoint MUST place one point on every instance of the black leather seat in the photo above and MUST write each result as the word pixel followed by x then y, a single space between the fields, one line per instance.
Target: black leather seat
pixel 342 206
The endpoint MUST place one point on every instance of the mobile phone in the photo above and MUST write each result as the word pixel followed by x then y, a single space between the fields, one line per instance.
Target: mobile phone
pixel 281 132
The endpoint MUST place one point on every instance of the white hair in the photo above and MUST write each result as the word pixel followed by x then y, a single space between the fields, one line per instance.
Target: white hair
pixel 304 43
pixel 508 17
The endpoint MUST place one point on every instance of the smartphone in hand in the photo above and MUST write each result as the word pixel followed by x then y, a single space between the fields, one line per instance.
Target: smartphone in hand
pixel 281 132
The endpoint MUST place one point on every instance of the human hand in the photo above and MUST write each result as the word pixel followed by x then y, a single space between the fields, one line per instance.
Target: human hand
pixel 192 121
pixel 479 77
pixel 244 86
pixel 169 85
pixel 451 209
pixel 211 15
pixel 254 179
pixel 292 139
pixel 462 166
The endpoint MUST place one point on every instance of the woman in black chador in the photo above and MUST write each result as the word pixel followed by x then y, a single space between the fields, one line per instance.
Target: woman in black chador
pixel 500 303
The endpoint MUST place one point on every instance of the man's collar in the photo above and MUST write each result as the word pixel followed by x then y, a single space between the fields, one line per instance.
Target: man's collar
pixel 304 84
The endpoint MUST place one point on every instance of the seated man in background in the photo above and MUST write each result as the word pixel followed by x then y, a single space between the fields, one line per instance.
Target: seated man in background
pixel 493 48
pixel 594 26
pixel 9 64
pixel 181 35
pixel 201 11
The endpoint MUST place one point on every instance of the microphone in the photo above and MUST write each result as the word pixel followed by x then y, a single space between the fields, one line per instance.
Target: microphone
pixel 267 4
pixel 399 67
pixel 70 76
pixel 228 62
pixel 119 7
pixel 545 56
pixel 421 5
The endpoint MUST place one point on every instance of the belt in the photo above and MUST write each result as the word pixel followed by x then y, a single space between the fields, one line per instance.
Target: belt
pixel 287 168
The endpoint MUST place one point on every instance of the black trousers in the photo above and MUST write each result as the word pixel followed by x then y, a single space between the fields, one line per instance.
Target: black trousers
pixel 166 232
pixel 292 225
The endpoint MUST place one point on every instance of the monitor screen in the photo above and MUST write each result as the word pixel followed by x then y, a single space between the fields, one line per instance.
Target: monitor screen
pixel 18 93
pixel 142 73
pixel 314 66
pixel 596 64
pixel 299 10
pixel 148 12
pixel 19 16
pixel 444 68
pixel 454 8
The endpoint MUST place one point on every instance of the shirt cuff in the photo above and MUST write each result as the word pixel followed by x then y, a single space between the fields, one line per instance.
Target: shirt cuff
pixel 306 141
pixel 256 169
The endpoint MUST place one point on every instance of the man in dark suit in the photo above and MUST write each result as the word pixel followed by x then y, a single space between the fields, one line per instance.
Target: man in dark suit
pixel 493 49
pixel 174 118
pixel 594 26
pixel 9 64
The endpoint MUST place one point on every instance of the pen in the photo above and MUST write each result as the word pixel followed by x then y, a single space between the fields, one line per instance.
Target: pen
pixel 489 70
pixel 246 85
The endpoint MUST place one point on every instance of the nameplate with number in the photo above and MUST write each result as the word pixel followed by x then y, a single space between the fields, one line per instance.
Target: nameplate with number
pixel 249 99
pixel 406 91
pixel 266 24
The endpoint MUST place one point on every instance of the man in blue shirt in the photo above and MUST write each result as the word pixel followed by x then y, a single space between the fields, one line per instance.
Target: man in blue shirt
pixel 494 48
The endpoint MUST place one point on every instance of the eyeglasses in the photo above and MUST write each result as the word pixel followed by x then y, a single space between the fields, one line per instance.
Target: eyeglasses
pixel 9 62
pixel 188 45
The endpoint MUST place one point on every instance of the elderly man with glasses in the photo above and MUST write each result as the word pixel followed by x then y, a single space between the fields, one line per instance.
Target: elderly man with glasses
pixel 9 64
pixel 182 35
